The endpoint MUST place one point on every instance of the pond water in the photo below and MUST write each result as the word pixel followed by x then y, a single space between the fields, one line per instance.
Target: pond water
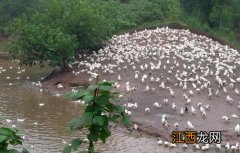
pixel 45 126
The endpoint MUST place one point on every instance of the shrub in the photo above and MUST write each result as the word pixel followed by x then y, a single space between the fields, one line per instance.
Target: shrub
pixel 101 109
pixel 39 43
pixel 9 138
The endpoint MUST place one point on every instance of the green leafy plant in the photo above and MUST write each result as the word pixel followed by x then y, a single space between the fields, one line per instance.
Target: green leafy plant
pixel 9 138
pixel 40 43
pixel 101 109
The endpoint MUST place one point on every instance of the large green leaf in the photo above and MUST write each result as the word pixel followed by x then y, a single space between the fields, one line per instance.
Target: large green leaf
pixel 93 137
pixel 77 123
pixel 92 87
pixel 84 120
pixel 102 99
pixel 25 151
pixel 99 120
pixel 114 118
pixel 6 132
pixel 76 143
pixel 2 138
pixel 88 98
pixel 105 87
pixel 104 134
pixel 67 149
pixel 88 116
pixel 13 151
pixel 110 107
pixel 126 120
pixel 120 109
pixel 75 95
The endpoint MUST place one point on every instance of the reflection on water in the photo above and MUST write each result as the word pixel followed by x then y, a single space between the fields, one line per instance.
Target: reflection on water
pixel 45 126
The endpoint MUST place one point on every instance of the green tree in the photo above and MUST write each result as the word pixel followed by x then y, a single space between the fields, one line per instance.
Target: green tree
pixel 221 15
pixel 11 9
pixel 39 43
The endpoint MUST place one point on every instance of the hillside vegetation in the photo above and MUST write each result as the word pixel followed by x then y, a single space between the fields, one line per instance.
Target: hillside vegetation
pixel 56 30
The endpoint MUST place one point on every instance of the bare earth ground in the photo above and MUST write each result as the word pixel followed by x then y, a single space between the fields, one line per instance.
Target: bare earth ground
pixel 150 123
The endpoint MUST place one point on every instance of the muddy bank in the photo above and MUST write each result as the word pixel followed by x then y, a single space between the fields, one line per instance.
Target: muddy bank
pixel 134 45
pixel 4 55
pixel 69 81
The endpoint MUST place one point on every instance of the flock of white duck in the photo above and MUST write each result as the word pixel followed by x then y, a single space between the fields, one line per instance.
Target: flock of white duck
pixel 164 59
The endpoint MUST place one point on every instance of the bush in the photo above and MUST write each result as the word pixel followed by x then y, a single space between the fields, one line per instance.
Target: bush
pixel 40 43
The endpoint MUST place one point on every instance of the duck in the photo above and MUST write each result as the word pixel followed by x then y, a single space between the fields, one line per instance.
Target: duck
pixel 190 125
pixel 164 119
pixel 174 107
pixel 147 88
pixel 227 146
pixel 204 114
pixel 226 119
pixel 59 86
pixel 196 146
pixel 147 110
pixel 191 93
pixel 135 127
pixel 185 146
pixel 165 101
pixel 172 145
pixel 205 147
pixel 234 116
pixel 41 104
pixel 119 77
pixel 129 113
pixel 156 104
pixel 193 110
pixel 8 120
pixel 176 125
pixel 229 99
pixel 136 74
pixel 160 142
pixel 237 129
pixel 166 143
pixel 181 111
pixel 20 120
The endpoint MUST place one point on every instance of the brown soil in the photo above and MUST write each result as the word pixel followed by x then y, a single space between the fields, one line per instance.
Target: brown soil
pixel 4 55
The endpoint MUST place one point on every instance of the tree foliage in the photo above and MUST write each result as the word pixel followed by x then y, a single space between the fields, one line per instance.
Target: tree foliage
pixel 37 43
pixel 11 9
pixel 90 23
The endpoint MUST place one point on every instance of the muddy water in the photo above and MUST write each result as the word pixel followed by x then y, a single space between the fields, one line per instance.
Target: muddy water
pixel 44 127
